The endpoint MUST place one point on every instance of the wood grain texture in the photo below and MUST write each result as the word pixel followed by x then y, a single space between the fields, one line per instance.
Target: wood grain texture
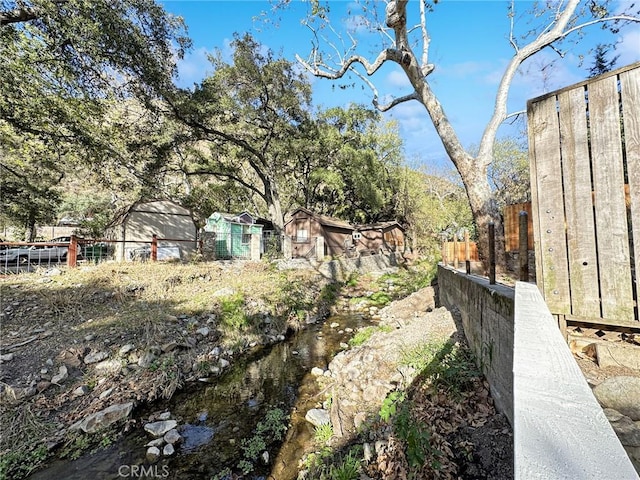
pixel 610 211
pixel 551 258
pixel 576 170
pixel 630 83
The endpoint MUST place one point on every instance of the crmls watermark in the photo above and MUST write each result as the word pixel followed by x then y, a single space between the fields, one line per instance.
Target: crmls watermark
pixel 142 471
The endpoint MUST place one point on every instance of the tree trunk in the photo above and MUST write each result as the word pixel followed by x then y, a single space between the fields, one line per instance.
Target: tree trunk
pixel 272 198
pixel 485 210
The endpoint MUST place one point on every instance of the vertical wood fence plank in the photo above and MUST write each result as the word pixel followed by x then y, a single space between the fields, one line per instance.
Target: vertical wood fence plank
pixel 630 82
pixel 535 214
pixel 552 254
pixel 581 240
pixel 611 216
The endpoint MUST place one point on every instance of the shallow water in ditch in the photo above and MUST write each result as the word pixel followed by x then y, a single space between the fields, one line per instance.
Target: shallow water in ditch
pixel 214 418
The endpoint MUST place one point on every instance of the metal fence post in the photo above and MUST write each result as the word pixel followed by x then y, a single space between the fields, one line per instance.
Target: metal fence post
pixel 523 254
pixel 492 253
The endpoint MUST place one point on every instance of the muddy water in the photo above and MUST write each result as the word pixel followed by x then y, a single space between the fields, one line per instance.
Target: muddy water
pixel 214 418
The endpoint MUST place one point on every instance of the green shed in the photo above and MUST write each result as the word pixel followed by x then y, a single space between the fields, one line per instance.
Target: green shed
pixel 232 234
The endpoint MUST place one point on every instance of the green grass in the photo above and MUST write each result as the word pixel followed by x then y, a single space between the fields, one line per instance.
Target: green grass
pixel 322 433
pixel 364 334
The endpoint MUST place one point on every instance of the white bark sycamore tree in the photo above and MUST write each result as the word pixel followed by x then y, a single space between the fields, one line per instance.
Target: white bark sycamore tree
pixel 552 23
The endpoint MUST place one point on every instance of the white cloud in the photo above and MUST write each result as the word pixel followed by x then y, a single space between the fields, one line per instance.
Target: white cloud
pixel 628 48
pixel 397 79
pixel 194 67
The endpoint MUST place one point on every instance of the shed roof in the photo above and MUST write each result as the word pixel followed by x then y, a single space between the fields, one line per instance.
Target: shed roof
pixel 322 219
pixel 380 226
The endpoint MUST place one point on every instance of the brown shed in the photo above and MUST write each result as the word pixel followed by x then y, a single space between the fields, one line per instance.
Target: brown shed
pixel 305 226
pixel 380 237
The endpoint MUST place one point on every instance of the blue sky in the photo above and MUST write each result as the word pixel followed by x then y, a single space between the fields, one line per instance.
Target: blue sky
pixel 469 46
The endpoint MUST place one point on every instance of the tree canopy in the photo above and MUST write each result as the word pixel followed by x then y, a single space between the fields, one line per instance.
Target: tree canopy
pixel 405 41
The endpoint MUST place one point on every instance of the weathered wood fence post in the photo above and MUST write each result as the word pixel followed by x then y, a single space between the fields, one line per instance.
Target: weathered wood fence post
pixel 523 254
pixel 456 250
pixel 154 248
pixel 492 253
pixel 467 250
pixel 72 253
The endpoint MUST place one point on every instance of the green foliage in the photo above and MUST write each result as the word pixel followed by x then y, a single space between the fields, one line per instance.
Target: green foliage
pixel 232 312
pixel 421 356
pixel 270 429
pixel 322 433
pixel 415 435
pixel 20 463
pixel 509 172
pixel 390 405
pixel 349 469
pixel 364 334
pixel 329 465
pixel 61 72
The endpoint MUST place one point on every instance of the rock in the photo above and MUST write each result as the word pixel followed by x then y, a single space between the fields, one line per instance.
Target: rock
pixel 224 292
pixel 158 442
pixel 42 386
pixel 215 352
pixel 317 372
pixel 344 345
pixel 621 394
pixel 172 436
pixel 89 337
pixel 106 393
pixel 153 454
pixel 102 419
pixel 204 331
pixel 265 457
pixel 168 347
pixel 280 338
pixel 147 359
pixel 164 416
pixel 223 363
pixel 81 391
pixel 317 417
pixel 158 429
pixel 71 358
pixel 126 349
pixel 368 453
pixel 95 357
pixel 53 272
pixel 168 450
pixel 614 355
pixel 627 430
pixel 358 419
pixel 108 367
pixel 7 357
pixel 62 375
pixel 334 325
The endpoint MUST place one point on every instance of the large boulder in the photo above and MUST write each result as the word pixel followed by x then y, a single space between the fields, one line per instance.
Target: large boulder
pixel 621 394
pixel 158 429
pixel 102 419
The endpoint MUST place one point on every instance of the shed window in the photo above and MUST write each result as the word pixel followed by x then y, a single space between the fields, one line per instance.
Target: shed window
pixel 246 234
pixel 302 231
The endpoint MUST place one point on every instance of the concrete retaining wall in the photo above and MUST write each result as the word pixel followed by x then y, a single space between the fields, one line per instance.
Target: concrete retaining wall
pixel 560 430
pixel 487 313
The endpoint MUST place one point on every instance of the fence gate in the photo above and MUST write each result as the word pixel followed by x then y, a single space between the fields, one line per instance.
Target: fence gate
pixel 584 150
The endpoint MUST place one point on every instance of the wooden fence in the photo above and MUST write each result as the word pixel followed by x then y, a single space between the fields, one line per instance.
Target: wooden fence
pixel 512 228
pixel 584 150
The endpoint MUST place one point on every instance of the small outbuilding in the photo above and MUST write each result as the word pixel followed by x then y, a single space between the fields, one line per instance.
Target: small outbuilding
pixel 133 230
pixel 231 234
pixel 379 237
pixel 305 226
